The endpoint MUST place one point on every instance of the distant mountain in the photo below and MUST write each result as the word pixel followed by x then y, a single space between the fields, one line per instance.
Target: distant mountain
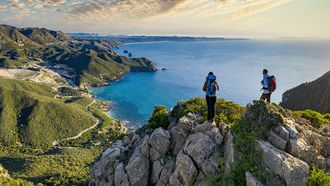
pixel 89 63
pixel 314 95
pixel 136 39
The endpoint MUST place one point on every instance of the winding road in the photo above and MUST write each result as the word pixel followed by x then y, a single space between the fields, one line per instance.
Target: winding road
pixel 98 122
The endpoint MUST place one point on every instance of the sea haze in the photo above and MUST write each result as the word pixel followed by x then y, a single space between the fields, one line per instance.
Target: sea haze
pixel 238 65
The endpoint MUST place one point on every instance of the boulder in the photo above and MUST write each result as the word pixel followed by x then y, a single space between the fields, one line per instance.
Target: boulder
pixel 293 170
pixel 299 148
pixel 144 147
pixel 277 141
pixel 157 168
pixel 215 134
pixel 175 179
pixel 160 141
pixel 178 137
pixel 251 180
pixel 293 133
pixel 186 169
pixel 186 124
pixel 321 162
pixel 199 146
pixel 223 129
pixel 167 171
pixel 229 150
pixel 200 180
pixel 282 132
pixel 106 164
pixel 154 154
pixel 206 126
pixel 120 177
pixel 138 168
pixel 210 165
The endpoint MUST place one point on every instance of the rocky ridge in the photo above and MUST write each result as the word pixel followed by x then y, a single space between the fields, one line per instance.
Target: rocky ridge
pixel 313 95
pixel 188 150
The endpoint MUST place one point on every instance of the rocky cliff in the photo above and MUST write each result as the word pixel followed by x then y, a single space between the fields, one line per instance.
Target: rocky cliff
pixel 314 95
pixel 266 147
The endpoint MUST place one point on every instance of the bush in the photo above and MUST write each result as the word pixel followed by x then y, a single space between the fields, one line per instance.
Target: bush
pixel 225 111
pixel 316 118
pixel 159 117
pixel 318 177
pixel 259 118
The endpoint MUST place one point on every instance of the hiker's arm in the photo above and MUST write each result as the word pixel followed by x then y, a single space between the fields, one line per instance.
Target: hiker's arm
pixel 204 86
pixel 218 87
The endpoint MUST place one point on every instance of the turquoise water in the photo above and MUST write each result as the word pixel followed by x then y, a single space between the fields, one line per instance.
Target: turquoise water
pixel 237 64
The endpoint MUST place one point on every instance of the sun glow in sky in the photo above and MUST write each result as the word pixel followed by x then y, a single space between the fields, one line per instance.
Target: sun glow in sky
pixel 228 18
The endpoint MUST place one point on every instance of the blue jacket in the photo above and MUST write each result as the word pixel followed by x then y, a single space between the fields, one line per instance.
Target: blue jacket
pixel 265 83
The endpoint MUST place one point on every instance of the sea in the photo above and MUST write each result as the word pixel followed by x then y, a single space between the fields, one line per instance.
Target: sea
pixel 238 65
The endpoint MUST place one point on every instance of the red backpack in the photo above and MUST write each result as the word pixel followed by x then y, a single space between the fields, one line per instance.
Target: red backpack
pixel 272 84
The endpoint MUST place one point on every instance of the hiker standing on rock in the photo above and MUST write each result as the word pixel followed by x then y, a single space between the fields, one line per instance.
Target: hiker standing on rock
pixel 211 87
pixel 268 84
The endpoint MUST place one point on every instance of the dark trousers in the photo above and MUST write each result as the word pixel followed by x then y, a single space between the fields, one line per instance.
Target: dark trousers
pixel 210 100
pixel 266 97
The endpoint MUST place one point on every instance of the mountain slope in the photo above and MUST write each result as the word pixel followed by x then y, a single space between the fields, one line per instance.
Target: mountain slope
pixel 93 62
pixel 29 115
pixel 314 95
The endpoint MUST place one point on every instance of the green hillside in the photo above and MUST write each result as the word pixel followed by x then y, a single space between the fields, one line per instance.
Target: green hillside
pixel 32 117
pixel 93 62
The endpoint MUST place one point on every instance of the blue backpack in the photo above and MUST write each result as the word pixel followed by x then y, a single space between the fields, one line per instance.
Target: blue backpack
pixel 211 87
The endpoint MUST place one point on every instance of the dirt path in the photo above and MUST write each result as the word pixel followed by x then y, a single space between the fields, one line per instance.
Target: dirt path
pixel 98 122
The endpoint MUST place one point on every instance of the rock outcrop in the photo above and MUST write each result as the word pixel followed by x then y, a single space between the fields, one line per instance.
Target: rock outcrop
pixel 293 170
pixel 188 151
pixel 314 95
pixel 184 154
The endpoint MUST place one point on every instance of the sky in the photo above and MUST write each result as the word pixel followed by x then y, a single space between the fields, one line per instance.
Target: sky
pixel 224 18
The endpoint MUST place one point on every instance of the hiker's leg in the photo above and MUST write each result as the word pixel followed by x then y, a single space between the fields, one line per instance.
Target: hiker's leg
pixel 268 97
pixel 263 97
pixel 208 102
pixel 213 101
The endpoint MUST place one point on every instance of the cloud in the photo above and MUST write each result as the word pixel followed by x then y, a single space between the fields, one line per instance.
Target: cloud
pixel 48 4
pixel 17 4
pixel 124 9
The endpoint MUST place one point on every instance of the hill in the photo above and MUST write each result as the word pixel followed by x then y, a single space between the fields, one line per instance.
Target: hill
pixel 87 63
pixel 31 116
pixel 118 39
pixel 262 144
pixel 314 95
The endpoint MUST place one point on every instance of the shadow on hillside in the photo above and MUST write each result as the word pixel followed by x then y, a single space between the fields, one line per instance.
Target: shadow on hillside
pixel 13 164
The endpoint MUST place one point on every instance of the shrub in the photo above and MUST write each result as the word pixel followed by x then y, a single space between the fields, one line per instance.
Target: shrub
pixel 159 117
pixel 259 118
pixel 318 177
pixel 225 111
pixel 316 118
